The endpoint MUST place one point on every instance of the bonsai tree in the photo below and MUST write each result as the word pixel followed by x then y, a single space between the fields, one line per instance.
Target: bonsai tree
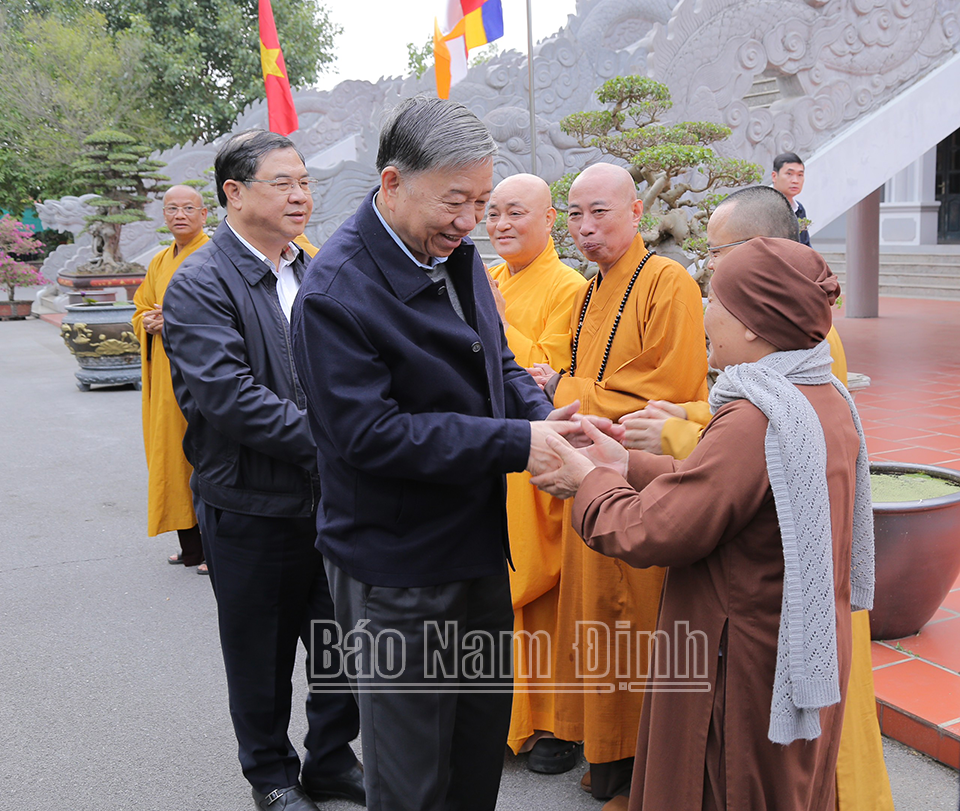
pixel 16 241
pixel 679 174
pixel 117 168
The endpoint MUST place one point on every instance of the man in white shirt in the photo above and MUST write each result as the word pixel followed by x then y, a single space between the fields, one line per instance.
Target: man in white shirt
pixel 255 483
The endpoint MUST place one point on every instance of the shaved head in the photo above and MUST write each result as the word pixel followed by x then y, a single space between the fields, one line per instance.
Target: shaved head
pixel 757 211
pixel 180 191
pixel 603 213
pixel 519 218
pixel 530 189
pixel 616 181
pixel 184 213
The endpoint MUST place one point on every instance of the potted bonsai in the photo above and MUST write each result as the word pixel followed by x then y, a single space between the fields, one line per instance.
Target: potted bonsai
pixel 100 335
pixel 16 242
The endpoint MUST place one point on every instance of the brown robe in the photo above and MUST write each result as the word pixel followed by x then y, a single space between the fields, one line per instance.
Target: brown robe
pixel 711 519
pixel 658 353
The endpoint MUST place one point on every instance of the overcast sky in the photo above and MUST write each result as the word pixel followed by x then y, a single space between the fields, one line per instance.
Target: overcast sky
pixel 376 32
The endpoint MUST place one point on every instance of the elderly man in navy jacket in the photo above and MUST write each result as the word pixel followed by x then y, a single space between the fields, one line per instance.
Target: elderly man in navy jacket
pixel 418 410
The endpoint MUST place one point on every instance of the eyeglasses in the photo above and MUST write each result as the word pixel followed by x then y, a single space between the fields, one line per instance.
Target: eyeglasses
pixel 285 185
pixel 171 211
pixel 715 251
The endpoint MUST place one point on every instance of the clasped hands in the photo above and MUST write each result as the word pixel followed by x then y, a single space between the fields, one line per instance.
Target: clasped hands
pixel 566 456
pixel 567 445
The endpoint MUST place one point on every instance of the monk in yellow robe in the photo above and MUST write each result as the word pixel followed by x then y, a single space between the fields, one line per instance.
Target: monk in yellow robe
pixel 535 292
pixel 308 247
pixel 637 336
pixel 169 500
pixel 673 429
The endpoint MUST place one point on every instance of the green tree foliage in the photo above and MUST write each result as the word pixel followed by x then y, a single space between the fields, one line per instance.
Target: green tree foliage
pixel 118 169
pixel 164 72
pixel 204 55
pixel 679 174
pixel 420 59
pixel 59 81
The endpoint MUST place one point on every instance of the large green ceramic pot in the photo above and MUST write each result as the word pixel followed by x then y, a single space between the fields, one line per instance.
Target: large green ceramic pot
pixel 918 554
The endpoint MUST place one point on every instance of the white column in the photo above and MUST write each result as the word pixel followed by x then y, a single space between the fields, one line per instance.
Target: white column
pixel 862 294
pixel 908 215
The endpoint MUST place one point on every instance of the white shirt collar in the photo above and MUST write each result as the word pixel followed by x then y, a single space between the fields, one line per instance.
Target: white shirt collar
pixel 287 283
pixel 289 255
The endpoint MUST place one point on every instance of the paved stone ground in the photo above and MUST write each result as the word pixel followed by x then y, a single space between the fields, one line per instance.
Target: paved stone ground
pixel 113 693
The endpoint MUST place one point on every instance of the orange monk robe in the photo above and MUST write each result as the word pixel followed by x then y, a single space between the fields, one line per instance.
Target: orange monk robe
pixel 539 301
pixel 309 248
pixel 169 500
pixel 862 782
pixel 658 353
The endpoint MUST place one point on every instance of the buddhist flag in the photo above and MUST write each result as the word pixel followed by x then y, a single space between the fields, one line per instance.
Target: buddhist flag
pixel 467 24
pixel 280 110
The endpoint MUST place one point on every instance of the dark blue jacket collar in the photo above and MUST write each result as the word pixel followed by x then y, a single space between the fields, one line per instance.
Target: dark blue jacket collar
pixel 252 268
pixel 405 278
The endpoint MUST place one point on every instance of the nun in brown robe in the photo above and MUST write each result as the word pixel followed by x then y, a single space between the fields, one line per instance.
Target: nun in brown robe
pixel 707 732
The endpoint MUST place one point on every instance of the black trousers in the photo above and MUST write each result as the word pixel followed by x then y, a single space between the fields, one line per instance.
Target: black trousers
pixel 432 670
pixel 270 586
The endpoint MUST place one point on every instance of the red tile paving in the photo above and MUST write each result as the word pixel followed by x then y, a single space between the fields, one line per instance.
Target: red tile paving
pixel 911 413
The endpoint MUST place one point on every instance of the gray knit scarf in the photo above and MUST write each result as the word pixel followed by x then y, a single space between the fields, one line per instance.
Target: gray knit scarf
pixel 807 673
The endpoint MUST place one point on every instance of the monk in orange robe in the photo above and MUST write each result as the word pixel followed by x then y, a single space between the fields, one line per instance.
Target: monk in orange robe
pixel 760 211
pixel 637 336
pixel 535 292
pixel 169 500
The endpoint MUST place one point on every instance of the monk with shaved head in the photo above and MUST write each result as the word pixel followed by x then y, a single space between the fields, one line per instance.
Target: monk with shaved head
pixel 637 335
pixel 169 500
pixel 536 295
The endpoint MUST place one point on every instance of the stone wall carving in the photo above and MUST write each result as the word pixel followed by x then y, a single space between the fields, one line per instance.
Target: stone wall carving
pixel 832 61
pixel 821 63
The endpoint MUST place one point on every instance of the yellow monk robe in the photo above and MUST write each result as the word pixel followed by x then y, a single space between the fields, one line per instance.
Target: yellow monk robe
pixel 309 248
pixel 169 500
pixel 539 301
pixel 862 782
pixel 658 353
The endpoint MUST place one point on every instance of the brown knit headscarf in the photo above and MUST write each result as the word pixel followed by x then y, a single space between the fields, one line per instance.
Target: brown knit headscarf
pixel 780 290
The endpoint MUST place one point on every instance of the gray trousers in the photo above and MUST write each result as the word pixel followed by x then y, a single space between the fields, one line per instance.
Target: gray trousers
pixel 431 667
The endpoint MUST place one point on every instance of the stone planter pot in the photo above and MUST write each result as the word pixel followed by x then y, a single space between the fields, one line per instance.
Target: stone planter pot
pixel 101 338
pixel 918 555
pixel 15 310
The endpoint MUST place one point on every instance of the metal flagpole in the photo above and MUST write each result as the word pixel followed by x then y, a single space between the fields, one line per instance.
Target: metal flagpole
pixel 533 112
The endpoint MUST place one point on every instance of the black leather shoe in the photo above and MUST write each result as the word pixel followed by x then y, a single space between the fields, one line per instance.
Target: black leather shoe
pixel 346 786
pixel 553 756
pixel 291 798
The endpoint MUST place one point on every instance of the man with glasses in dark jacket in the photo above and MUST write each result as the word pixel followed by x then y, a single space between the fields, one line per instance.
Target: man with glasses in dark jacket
pixel 227 315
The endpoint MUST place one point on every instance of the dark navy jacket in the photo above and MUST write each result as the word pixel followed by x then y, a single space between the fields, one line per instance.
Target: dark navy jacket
pixel 801 213
pixel 417 414
pixel 231 359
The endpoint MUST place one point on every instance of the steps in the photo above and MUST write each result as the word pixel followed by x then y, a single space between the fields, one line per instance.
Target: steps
pixel 910 275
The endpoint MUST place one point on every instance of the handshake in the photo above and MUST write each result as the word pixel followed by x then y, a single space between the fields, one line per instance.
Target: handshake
pixel 567 445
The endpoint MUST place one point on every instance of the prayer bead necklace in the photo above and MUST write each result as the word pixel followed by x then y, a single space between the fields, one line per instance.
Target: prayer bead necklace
pixel 616 323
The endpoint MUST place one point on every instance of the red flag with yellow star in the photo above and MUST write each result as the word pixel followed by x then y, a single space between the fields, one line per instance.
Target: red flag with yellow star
pixel 280 109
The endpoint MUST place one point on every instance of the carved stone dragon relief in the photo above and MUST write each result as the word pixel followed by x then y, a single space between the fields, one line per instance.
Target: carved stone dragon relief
pixel 829 60
pixel 832 60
